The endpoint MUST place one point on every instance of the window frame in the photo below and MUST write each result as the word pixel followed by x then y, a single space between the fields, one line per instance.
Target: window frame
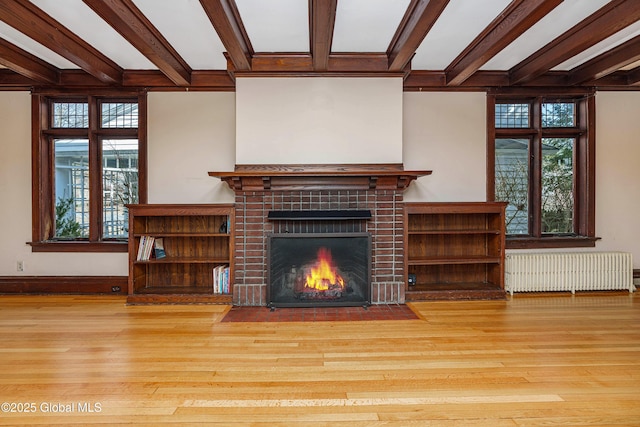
pixel 584 163
pixel 43 167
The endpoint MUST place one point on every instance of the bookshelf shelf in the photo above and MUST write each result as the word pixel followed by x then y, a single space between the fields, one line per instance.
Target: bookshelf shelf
pixel 454 250
pixel 194 246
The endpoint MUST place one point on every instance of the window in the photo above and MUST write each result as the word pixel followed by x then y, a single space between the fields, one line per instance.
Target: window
pixel 88 153
pixel 541 161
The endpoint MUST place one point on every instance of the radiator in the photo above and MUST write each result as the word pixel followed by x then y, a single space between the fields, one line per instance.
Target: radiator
pixel 568 271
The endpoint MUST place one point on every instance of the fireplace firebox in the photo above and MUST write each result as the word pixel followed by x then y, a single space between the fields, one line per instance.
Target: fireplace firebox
pixel 318 269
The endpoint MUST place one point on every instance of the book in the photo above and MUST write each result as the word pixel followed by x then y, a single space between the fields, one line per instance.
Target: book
pixel 148 249
pixel 145 248
pixel 141 248
pixel 158 248
pixel 221 279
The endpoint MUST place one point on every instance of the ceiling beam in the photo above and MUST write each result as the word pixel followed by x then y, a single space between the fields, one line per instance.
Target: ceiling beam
pixel 517 18
pixel 417 22
pixel 25 17
pixel 26 64
pixel 225 18
pixel 321 21
pixel 610 19
pixel 356 63
pixel 10 80
pixel 633 77
pixel 602 65
pixel 131 23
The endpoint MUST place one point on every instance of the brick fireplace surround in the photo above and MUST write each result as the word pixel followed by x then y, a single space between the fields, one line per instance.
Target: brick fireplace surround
pixel 265 188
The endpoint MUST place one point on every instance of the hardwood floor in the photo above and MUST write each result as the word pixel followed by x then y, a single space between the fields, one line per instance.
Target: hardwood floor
pixel 528 361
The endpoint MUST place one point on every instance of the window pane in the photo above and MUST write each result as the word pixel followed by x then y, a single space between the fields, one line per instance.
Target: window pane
pixel 119 184
pixel 119 115
pixel 558 114
pixel 512 182
pixel 557 185
pixel 512 115
pixel 72 188
pixel 70 115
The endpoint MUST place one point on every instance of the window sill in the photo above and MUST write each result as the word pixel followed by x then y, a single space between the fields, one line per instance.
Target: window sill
pixel 550 242
pixel 78 246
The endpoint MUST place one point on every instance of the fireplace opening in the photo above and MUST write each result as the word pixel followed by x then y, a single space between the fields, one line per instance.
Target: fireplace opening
pixel 319 269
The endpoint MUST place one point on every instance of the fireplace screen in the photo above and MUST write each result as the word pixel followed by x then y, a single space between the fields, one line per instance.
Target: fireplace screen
pixel 319 269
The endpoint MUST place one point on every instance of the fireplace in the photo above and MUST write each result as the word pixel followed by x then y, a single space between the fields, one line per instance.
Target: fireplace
pixel 318 269
pixel 276 204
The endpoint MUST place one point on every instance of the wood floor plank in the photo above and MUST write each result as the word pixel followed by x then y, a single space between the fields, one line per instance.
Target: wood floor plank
pixel 530 360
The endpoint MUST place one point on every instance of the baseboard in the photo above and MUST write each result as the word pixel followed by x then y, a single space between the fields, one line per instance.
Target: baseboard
pixel 113 285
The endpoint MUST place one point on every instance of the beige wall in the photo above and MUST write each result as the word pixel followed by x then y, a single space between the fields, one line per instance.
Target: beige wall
pixel 190 134
pixel 15 205
pixel 618 172
pixel 193 133
pixel 323 120
pixel 445 133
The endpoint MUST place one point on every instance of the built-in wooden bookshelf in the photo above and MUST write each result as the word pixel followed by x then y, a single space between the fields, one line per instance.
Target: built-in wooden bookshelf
pixel 454 250
pixel 197 239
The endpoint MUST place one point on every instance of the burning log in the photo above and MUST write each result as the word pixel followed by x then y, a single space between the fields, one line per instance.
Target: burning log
pixel 321 282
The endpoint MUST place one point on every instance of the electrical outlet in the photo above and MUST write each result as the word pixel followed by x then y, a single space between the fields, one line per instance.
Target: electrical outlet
pixel 115 289
pixel 20 266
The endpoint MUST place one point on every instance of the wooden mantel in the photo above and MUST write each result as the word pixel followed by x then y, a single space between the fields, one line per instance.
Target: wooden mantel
pixel 387 176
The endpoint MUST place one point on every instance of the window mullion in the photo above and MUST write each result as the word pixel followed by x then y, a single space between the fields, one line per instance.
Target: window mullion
pixel 95 174
pixel 535 157
pixel 491 149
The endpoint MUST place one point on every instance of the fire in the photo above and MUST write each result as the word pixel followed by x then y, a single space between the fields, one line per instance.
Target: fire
pixel 323 275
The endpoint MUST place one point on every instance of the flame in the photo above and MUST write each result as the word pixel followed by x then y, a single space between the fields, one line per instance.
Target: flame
pixel 323 275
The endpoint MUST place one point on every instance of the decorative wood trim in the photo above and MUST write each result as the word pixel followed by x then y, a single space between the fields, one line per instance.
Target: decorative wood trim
pixel 28 65
pixel 78 246
pixel 608 20
pixel 508 26
pixel 225 18
pixel 584 172
pixel 127 20
pixel 420 17
pixel 321 22
pixel 633 76
pixel 43 204
pixel 340 65
pixel 33 22
pixel 161 209
pixel 179 299
pixel 451 295
pixel 319 177
pixel 116 285
pixel 550 242
pixel 602 65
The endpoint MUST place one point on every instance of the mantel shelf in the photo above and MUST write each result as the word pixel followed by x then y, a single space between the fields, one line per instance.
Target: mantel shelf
pixel 319 177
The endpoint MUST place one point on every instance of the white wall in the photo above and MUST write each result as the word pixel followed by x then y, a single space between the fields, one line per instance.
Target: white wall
pixel 446 133
pixel 192 133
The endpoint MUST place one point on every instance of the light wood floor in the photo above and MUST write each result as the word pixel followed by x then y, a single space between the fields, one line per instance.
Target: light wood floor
pixel 529 361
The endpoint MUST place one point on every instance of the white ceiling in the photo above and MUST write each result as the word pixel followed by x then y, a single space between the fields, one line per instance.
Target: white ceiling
pixel 283 26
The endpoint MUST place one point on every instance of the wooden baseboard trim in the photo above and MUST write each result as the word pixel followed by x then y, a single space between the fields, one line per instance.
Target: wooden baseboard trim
pixel 636 273
pixel 113 285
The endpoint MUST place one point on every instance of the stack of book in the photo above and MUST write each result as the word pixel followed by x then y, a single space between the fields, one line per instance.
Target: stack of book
pixel 150 247
pixel 221 279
